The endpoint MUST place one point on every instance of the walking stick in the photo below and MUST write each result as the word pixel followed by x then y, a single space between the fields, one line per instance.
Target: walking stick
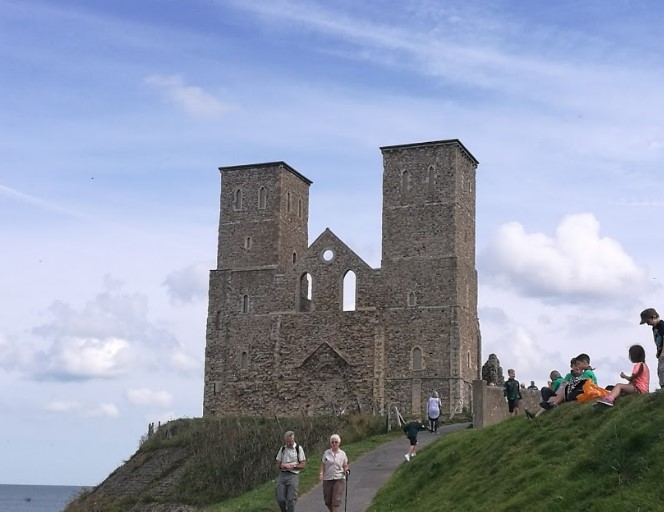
pixel 346 500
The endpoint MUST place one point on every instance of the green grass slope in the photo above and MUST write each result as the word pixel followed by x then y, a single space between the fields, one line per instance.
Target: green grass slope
pixel 575 457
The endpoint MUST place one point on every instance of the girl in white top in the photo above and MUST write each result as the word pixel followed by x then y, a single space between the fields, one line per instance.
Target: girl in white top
pixel 333 471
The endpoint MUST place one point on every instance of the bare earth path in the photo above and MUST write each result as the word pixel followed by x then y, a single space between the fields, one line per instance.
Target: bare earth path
pixel 370 472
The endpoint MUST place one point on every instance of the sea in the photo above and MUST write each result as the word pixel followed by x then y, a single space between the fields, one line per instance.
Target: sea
pixel 36 498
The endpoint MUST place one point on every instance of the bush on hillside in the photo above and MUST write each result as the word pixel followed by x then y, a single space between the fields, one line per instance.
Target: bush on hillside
pixel 223 458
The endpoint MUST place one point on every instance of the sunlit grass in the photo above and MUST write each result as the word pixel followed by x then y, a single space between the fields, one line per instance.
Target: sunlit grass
pixel 573 458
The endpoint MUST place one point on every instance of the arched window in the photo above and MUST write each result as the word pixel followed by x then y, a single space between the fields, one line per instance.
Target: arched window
pixel 244 360
pixel 412 299
pixel 305 292
pixel 417 358
pixel 468 356
pixel 237 199
pixel 262 198
pixel 217 320
pixel 294 257
pixel 349 291
pixel 248 243
pixel 405 182
pixel 288 202
pixel 245 303
pixel 299 208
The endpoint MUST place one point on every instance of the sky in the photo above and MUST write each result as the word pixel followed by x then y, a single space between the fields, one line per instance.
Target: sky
pixel 114 119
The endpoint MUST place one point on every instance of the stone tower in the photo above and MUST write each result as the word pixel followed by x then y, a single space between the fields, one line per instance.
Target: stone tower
pixel 281 338
pixel 428 270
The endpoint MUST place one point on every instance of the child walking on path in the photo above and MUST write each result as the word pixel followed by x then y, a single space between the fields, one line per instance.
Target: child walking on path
pixel 638 380
pixel 412 429
pixel 512 393
pixel 650 317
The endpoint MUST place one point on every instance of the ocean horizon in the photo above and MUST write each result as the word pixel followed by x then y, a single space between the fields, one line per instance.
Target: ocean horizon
pixel 37 498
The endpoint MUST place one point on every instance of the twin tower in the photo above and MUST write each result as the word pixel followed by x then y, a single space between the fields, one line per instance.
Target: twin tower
pixel 296 328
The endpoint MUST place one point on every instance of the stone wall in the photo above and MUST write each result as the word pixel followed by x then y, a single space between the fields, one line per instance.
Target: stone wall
pixel 277 345
pixel 490 407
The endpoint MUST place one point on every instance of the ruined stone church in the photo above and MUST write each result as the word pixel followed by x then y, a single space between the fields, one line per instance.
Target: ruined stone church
pixel 281 339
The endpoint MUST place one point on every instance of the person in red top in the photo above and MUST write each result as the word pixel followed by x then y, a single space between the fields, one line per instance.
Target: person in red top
pixel 638 380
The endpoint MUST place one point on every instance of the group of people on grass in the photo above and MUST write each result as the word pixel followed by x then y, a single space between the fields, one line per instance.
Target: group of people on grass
pixel 580 383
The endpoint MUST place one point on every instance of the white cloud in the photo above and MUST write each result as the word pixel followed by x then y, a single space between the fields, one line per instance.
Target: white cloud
pixel 192 99
pixel 145 396
pixel 574 264
pixel 188 284
pixel 108 410
pixel 105 338
pixel 63 406
pixel 185 362
pixel 88 358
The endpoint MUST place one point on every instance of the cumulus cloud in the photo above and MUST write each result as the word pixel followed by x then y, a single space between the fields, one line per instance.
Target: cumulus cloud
pixel 73 358
pixel 189 283
pixel 192 99
pixel 574 264
pixel 106 338
pixel 145 396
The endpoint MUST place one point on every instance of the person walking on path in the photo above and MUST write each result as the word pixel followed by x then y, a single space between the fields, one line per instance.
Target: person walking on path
pixel 412 429
pixel 433 411
pixel 370 472
pixel 290 460
pixel 333 471
pixel 649 316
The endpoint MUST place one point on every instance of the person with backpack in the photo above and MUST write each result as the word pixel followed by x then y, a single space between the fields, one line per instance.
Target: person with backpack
pixel 290 460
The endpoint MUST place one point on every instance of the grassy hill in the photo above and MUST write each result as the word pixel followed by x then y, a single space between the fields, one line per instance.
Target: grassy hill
pixel 191 464
pixel 572 458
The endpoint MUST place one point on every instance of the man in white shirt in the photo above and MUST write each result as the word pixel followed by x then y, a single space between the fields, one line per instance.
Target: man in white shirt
pixel 290 460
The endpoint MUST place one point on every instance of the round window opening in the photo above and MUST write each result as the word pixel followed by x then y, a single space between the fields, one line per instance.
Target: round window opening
pixel 328 254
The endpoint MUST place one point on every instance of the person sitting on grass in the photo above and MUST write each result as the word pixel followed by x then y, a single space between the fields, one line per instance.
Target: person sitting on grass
pixel 572 388
pixel 638 380
pixel 548 391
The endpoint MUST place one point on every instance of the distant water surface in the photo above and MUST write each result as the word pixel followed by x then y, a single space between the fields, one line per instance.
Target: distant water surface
pixel 36 498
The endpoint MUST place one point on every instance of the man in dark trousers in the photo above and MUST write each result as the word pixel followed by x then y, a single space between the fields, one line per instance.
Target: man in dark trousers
pixel 512 393
pixel 649 316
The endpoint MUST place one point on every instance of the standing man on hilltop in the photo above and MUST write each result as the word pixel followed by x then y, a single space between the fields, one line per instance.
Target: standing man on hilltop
pixel 649 316
pixel 290 460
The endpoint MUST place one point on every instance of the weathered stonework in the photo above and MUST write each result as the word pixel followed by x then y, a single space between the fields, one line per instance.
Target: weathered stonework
pixel 492 372
pixel 274 347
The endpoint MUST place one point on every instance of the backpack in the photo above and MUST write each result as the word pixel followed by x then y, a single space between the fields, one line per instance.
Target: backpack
pixel 297 451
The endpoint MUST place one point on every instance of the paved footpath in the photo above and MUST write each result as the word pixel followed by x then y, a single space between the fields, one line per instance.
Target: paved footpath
pixel 370 472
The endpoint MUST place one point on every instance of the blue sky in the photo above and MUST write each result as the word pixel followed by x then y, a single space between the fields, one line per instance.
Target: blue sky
pixel 116 116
